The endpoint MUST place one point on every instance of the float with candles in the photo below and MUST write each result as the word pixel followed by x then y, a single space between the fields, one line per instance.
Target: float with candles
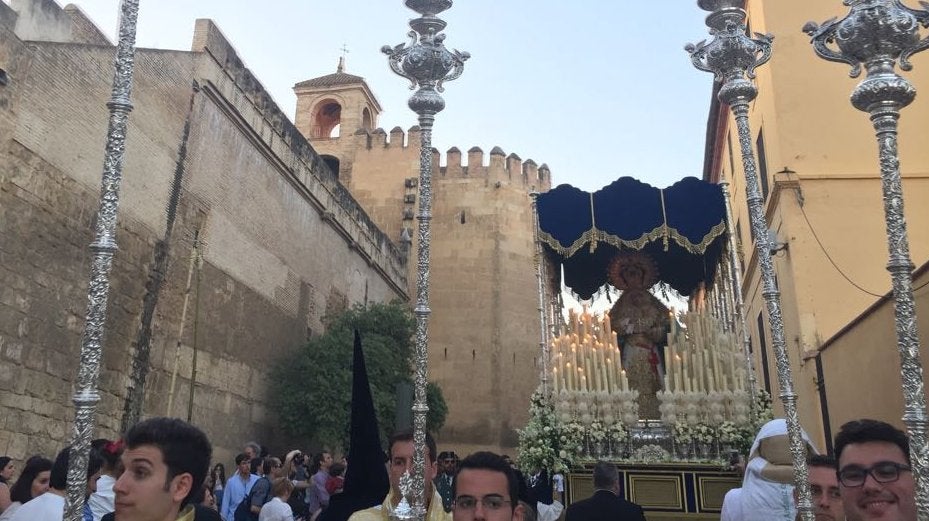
pixel 663 394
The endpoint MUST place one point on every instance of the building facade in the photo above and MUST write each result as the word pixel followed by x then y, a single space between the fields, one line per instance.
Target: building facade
pixel 818 169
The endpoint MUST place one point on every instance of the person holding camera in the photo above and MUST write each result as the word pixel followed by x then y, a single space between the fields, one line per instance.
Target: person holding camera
pixel 296 469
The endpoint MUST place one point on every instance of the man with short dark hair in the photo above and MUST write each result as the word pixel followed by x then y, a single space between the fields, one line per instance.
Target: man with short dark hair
pixel 874 472
pixel 50 506
pixel 166 462
pixel 605 504
pixel 400 450
pixel 237 486
pixel 486 489
pixel 824 489
pixel 317 497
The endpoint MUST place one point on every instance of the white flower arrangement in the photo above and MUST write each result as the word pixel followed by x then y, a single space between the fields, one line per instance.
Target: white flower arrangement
pixel 543 443
pixel 703 433
pixel 762 406
pixel 729 433
pixel 651 454
pixel 683 433
pixel 618 433
pixel 596 431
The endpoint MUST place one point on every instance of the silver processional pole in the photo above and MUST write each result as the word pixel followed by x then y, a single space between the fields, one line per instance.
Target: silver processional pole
pixel 740 322
pixel 877 33
pixel 732 57
pixel 543 314
pixel 103 248
pixel 427 64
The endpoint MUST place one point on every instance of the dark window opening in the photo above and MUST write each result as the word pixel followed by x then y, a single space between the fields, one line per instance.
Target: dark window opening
pixel 763 345
pixel 731 155
pixel 463 217
pixel 762 165
pixel 367 122
pixel 333 163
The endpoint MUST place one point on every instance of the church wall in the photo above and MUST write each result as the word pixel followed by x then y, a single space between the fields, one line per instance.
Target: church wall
pixel 283 244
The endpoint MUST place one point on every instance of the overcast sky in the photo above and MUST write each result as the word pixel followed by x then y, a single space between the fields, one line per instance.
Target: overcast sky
pixel 595 89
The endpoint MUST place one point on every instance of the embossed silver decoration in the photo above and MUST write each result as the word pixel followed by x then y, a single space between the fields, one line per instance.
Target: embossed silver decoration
pixel 427 64
pixel 103 248
pixel 732 57
pixel 543 316
pixel 403 510
pixel 880 34
pixel 735 276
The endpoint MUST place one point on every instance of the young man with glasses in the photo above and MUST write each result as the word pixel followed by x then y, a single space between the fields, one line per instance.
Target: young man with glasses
pixel 486 489
pixel 874 472
pixel 824 488
pixel 605 505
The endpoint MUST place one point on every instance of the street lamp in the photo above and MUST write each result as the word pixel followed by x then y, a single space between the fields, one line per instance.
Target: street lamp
pixel 427 64
pixel 732 56
pixel 878 34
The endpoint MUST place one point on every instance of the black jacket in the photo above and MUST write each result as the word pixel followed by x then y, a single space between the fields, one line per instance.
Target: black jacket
pixel 604 506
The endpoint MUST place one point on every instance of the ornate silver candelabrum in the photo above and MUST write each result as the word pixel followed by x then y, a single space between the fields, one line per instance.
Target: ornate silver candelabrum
pixel 880 34
pixel 732 56
pixel 103 248
pixel 427 64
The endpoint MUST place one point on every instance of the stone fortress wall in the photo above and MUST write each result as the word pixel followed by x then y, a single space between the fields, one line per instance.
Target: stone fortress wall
pixel 209 155
pixel 484 329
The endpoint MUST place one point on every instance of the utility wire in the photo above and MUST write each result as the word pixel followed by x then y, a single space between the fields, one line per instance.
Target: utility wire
pixel 836 266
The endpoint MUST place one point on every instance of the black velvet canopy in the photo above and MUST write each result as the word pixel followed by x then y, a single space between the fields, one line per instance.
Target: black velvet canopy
pixel 681 227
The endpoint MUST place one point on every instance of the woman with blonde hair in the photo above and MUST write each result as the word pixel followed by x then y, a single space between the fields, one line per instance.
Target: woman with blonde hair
pixel 277 509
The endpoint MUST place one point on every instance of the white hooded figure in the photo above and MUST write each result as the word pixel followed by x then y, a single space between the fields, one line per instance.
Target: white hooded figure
pixel 767 488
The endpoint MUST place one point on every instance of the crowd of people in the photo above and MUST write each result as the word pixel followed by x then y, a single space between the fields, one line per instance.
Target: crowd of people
pixel 160 471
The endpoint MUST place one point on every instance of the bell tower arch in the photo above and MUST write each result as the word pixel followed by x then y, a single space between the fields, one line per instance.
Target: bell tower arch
pixel 333 107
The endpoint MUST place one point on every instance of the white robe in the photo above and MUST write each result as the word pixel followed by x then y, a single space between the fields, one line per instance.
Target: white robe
pixel 762 499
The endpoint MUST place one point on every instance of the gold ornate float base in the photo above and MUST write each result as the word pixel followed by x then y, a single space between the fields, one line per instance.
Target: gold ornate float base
pixel 666 491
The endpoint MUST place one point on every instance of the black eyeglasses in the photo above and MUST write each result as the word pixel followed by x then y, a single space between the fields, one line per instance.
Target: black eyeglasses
pixel 492 502
pixel 883 472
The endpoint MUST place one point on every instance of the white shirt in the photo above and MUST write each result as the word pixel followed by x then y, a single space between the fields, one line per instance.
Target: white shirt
pixel 732 506
pixel 47 507
pixel 102 501
pixel 276 510
pixel 558 479
pixel 10 510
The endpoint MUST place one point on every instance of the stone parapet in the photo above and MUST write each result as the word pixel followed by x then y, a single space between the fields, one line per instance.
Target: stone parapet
pixel 254 105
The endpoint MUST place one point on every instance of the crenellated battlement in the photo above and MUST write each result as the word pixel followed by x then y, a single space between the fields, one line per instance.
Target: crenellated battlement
pixel 498 166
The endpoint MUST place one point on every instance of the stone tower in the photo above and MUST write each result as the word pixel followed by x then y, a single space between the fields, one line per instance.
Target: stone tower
pixel 484 327
pixel 327 106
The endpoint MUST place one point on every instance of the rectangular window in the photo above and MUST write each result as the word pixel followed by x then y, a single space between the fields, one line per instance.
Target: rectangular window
pixel 762 165
pixel 763 345
pixel 731 154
